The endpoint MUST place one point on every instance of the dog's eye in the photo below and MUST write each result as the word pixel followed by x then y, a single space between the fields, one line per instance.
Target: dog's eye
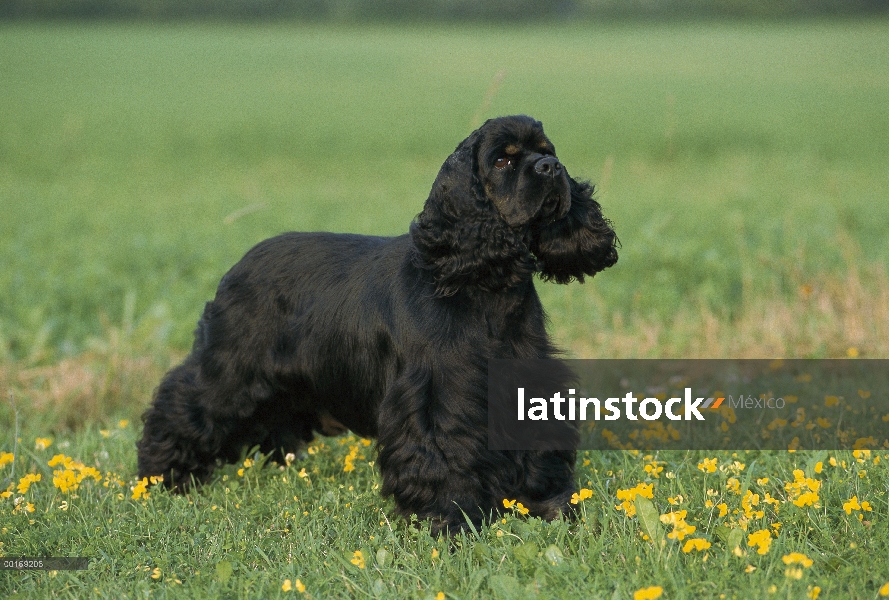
pixel 502 162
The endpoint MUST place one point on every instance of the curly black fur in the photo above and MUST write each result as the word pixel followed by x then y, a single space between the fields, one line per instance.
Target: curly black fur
pixel 390 337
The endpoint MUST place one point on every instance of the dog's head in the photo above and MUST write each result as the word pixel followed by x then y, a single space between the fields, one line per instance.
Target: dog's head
pixel 504 207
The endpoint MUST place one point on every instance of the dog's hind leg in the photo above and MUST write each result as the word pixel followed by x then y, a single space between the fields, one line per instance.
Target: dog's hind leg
pixel 182 439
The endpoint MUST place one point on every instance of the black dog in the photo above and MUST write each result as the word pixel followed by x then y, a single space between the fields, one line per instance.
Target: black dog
pixel 390 337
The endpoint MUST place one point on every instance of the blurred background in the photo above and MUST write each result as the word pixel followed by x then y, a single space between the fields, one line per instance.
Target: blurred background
pixel 740 148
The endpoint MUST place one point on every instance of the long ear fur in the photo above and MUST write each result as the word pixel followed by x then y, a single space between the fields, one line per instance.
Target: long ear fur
pixel 580 243
pixel 460 238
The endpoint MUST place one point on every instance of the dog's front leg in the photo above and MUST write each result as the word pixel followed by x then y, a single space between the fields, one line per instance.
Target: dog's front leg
pixel 433 453
pixel 548 483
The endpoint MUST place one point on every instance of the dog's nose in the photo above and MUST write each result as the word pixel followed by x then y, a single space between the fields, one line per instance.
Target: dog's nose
pixel 548 165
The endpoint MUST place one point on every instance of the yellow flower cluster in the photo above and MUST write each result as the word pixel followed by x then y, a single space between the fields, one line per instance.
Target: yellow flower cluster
pixel 708 465
pixel 854 504
pixel 628 497
pixel 580 496
pixel 762 539
pixel 803 491
pixel 734 485
pixel 649 593
pixel 349 461
pixel 6 458
pixel 358 559
pixel 516 506
pixel 748 502
pixel 680 527
pixel 793 572
pixel 21 506
pixel 797 558
pixel 297 585
pixel 26 481
pixel 68 478
pixel 140 490
pixel 653 469
pixel 651 431
pixel 698 544
pixel 248 462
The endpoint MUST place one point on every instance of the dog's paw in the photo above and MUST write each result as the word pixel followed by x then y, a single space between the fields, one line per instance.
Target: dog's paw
pixel 557 507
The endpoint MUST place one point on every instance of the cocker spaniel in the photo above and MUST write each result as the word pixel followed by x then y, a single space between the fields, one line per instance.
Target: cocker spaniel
pixel 390 337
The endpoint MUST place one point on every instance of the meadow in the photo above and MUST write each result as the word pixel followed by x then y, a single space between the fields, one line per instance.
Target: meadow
pixel 743 166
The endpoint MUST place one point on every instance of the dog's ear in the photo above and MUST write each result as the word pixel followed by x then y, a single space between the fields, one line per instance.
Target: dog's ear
pixel 580 243
pixel 460 238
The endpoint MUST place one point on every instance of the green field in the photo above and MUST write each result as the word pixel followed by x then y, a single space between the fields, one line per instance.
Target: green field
pixel 744 166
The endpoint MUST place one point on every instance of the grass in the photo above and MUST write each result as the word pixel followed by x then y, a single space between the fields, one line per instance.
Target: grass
pixel 743 165
pixel 145 160
pixel 253 528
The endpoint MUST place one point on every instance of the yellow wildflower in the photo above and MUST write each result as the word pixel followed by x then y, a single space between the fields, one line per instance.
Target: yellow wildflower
pixel 814 592
pixel 653 469
pixel 299 586
pixel 734 485
pixel 680 527
pixel 26 481
pixel 803 491
pixel 61 459
pixel 762 539
pixel 349 461
pixel 42 443
pixel 286 586
pixel 698 544
pixel 650 593
pixel 358 559
pixel 581 495
pixel 628 497
pixel 797 558
pixel 708 465
pixel 884 590
pixel 853 504
pixel 861 455
pixel 140 490
pixel 748 502
pixel 65 480
pixel 6 458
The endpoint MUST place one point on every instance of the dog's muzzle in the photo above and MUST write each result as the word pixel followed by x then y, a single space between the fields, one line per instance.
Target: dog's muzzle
pixel 558 201
pixel 549 165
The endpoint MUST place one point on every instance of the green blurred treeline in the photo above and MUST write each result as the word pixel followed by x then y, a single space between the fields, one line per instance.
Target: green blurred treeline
pixel 435 10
